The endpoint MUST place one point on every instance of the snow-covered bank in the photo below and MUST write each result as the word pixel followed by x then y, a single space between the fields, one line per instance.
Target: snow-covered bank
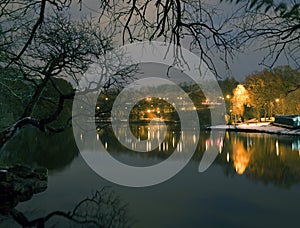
pixel 257 127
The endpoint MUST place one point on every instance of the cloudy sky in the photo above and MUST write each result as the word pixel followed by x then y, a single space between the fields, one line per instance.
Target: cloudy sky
pixel 241 65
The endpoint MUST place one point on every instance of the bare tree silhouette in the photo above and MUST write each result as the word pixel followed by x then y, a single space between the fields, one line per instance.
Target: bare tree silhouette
pixel 103 209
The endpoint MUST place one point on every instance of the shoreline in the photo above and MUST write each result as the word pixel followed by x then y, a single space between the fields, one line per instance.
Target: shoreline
pixel 257 128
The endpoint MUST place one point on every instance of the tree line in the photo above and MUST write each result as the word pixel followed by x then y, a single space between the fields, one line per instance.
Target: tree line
pixel 267 93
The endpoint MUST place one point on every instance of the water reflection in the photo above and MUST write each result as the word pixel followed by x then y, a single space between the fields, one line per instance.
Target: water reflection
pixel 173 139
pixel 260 157
pixel 103 209
pixel 263 157
pixel 241 157
pixel 55 151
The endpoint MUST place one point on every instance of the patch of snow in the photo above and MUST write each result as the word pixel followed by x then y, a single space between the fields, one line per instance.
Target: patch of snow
pixel 260 127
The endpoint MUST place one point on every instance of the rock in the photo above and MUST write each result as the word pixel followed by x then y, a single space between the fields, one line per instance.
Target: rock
pixel 40 186
pixel 5 175
pixel 21 171
pixel 41 173
pixel 6 187
pixel 18 183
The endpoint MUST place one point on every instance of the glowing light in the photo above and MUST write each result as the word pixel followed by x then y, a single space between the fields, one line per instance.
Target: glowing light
pixel 148 146
pixel 240 157
pixel 227 157
pixel 180 146
pixel 277 147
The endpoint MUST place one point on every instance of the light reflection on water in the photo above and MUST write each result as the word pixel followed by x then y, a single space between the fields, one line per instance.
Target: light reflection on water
pixel 254 178
pixel 246 153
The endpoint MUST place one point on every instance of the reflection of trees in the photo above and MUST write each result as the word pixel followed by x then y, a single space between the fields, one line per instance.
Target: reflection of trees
pixel 269 166
pixel 262 158
pixel 241 157
pixel 30 146
pixel 103 209
pixel 141 132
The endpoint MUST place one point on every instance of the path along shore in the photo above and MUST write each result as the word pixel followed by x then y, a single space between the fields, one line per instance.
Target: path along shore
pixel 257 127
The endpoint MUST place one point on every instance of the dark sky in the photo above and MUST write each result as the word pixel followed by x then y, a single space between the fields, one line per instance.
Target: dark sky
pixel 241 65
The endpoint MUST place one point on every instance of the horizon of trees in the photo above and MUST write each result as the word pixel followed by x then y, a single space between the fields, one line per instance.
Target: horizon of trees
pixel 268 93
pixel 263 94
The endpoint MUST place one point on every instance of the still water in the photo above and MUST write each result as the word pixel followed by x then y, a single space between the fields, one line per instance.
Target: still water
pixel 255 180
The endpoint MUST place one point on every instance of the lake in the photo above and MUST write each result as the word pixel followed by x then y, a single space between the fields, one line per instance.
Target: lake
pixel 254 181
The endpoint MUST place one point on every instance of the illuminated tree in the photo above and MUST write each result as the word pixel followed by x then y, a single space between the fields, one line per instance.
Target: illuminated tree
pixel 273 91
pixel 239 100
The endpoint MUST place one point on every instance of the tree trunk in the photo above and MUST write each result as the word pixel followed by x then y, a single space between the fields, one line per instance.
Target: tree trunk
pixel 35 98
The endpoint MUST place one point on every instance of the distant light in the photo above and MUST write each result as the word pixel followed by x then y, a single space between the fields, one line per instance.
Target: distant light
pixel 227 96
pixel 106 98
pixel 277 100
pixel 277 147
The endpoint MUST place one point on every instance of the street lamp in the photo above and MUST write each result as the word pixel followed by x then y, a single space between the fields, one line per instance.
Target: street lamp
pixel 277 100
pixel 228 106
